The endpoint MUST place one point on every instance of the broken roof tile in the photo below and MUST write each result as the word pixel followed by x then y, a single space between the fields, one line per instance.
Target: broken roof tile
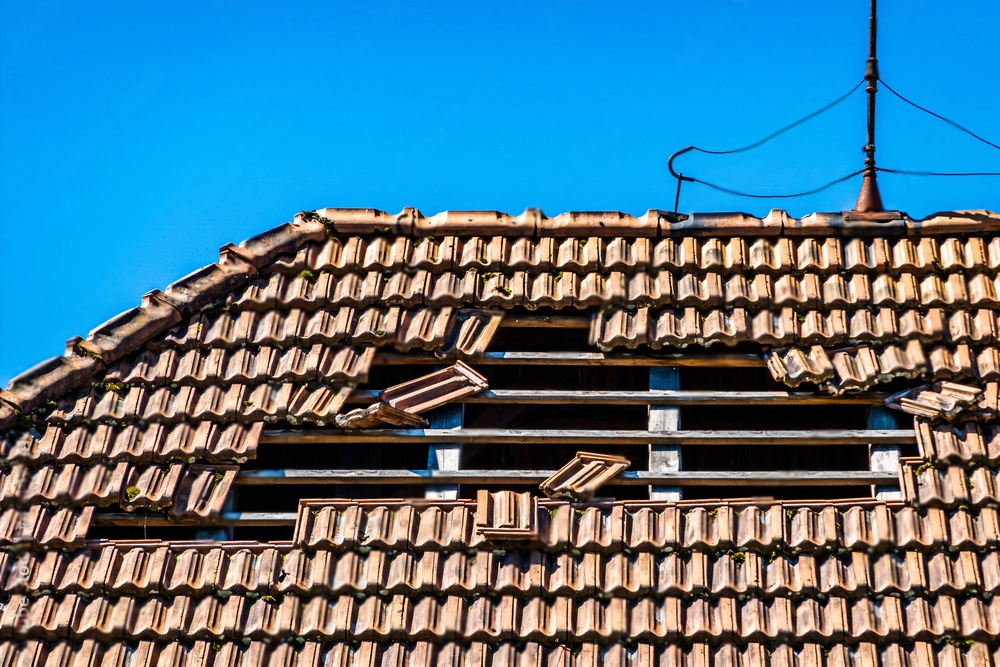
pixel 940 400
pixel 437 388
pixel 583 476
pixel 380 415
pixel 793 366
pixel 855 368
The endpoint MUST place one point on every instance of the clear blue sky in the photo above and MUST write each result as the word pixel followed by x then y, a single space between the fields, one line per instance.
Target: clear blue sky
pixel 138 137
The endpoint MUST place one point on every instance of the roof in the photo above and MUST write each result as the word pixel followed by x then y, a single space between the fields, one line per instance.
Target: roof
pixel 156 410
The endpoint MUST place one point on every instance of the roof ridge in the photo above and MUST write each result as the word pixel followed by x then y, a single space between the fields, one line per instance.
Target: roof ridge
pixel 654 223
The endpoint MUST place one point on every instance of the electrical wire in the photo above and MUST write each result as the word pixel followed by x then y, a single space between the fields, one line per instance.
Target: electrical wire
pixel 786 128
pixel 910 172
pixel 681 177
pixel 784 196
pixel 939 117
pixel 902 172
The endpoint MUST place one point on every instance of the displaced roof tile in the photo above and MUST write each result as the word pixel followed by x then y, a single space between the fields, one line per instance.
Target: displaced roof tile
pixel 940 400
pixel 583 476
pixel 793 366
pixel 429 391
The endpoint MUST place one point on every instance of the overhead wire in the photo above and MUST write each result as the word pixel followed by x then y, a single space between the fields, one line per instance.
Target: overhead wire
pixel 938 116
pixel 902 172
pixel 782 196
pixel 914 172
pixel 681 177
pixel 785 128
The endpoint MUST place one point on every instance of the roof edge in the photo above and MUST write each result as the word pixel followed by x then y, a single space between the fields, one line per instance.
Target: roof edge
pixel 655 223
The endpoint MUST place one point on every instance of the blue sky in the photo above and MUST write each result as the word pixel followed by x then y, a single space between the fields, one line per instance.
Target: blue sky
pixel 138 137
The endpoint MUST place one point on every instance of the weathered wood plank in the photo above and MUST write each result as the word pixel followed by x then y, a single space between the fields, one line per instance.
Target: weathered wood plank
pixel 629 477
pixel 726 360
pixel 546 321
pixel 680 397
pixel 591 437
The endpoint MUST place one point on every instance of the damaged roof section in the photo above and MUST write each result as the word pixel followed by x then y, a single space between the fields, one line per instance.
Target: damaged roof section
pixel 860 367
pixel 402 404
pixel 380 415
pixel 949 401
pixel 940 400
pixel 583 476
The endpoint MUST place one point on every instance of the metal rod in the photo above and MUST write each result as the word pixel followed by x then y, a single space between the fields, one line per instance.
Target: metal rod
pixel 869 199
pixel 871 76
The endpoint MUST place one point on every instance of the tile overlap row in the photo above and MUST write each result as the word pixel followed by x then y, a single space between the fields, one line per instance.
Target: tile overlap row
pixel 499 618
pixel 206 653
pixel 645 526
pixel 175 569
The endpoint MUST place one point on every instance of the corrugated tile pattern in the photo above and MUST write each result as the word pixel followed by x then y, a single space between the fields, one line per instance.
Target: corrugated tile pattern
pixel 156 409
pixel 499 618
pixel 626 574
pixel 644 526
pixel 859 367
pixel 259 570
pixel 966 443
pixel 310 653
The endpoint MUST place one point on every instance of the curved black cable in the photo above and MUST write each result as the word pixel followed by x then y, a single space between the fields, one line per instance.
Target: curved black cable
pixel 786 196
pixel 681 177
pixel 786 128
pixel 939 117
pixel 910 172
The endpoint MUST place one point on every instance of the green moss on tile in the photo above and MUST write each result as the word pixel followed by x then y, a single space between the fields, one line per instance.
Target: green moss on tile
pixel 84 352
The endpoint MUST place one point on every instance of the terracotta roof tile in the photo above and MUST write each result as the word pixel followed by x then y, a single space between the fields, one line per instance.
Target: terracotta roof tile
pixel 178 570
pixel 639 527
pixel 429 391
pixel 141 443
pixel 941 400
pixel 379 415
pixel 151 487
pixel 506 515
pixel 793 366
pixel 583 476
pixel 493 619
pixel 41 525
pixel 959 443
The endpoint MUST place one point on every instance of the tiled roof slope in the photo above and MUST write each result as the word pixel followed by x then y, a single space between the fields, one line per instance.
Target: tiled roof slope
pixel 156 410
